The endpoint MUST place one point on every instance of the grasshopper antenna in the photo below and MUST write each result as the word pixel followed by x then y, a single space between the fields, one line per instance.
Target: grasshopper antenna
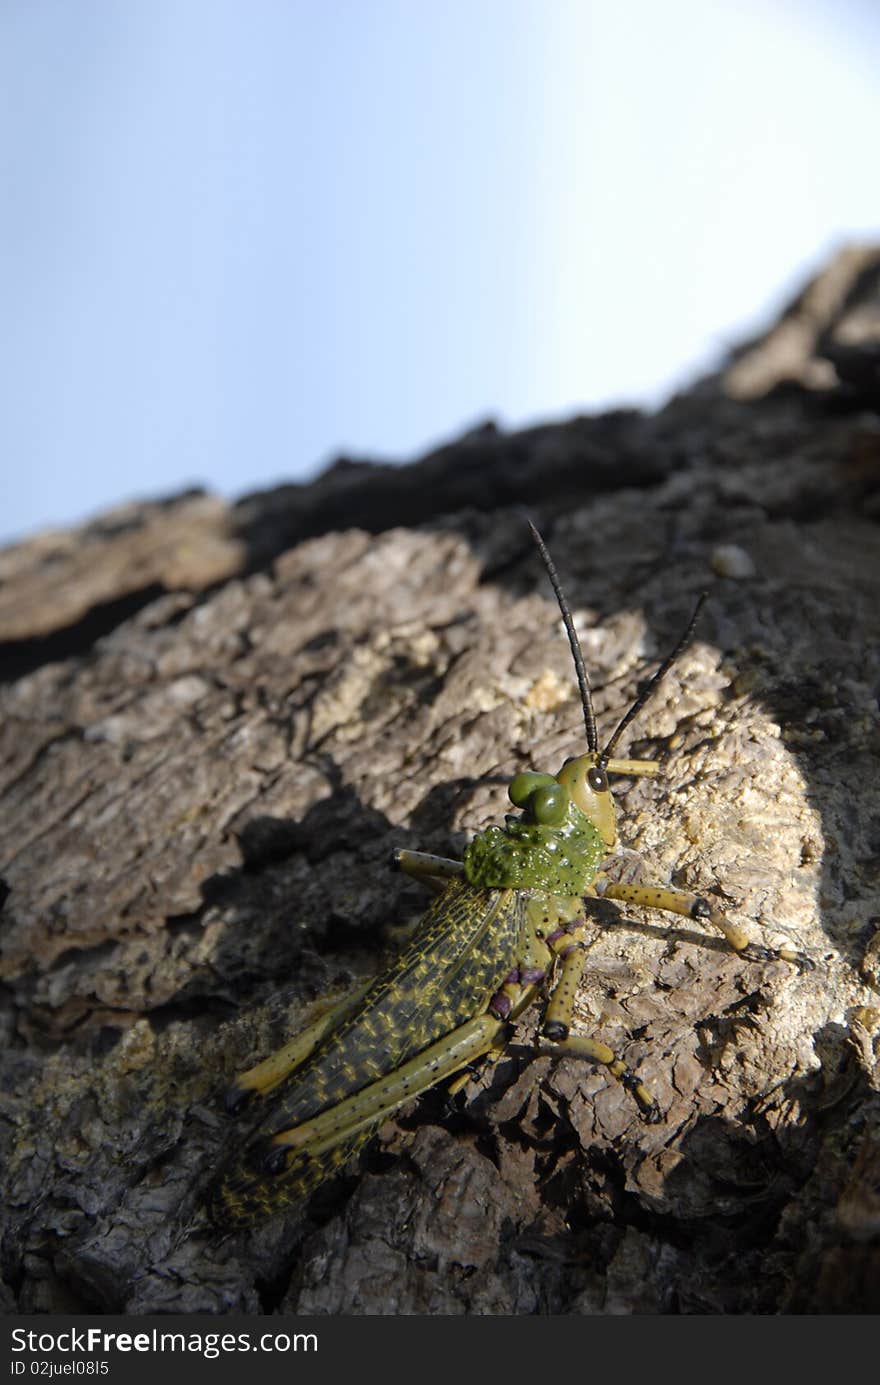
pixel 580 670
pixel 648 689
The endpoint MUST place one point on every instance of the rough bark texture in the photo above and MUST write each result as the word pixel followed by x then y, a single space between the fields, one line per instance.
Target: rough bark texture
pixel 218 721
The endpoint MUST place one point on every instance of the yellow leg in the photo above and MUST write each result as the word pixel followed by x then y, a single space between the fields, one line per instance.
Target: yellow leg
pixel 694 906
pixel 382 1098
pixel 557 1021
pixel 273 1070
pixel 434 871
pixel 578 1047
pixel 557 1016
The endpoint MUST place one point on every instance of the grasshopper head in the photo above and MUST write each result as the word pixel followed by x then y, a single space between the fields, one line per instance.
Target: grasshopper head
pixel 585 781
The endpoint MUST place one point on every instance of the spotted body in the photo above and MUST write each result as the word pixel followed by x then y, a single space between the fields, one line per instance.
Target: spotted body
pixel 447 974
pixel 525 855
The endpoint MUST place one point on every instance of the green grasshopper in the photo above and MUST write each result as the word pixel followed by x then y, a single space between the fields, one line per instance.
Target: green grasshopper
pixel 507 921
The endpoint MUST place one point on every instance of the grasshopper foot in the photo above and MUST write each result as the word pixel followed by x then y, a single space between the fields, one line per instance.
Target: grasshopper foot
pixel 648 1108
pixel 797 959
pixel 756 952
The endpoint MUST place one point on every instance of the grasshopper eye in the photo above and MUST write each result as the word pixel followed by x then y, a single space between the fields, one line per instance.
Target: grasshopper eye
pixel 522 786
pixel 597 780
pixel 549 805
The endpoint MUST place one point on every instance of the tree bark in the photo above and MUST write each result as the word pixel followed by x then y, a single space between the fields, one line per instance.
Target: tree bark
pixel 218 721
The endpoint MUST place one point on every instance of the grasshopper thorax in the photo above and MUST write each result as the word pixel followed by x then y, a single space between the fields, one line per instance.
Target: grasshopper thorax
pixel 550 846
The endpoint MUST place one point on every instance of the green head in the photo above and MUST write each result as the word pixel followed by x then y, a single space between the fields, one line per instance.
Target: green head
pixel 582 784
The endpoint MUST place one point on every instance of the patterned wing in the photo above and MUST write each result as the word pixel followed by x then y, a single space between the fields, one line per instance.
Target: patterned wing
pixel 468 941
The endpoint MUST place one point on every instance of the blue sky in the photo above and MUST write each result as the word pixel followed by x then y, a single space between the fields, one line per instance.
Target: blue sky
pixel 240 237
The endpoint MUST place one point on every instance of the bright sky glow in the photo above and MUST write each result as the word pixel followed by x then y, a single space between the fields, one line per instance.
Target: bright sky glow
pixel 239 237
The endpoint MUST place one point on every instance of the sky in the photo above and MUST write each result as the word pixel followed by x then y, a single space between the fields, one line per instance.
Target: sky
pixel 239 238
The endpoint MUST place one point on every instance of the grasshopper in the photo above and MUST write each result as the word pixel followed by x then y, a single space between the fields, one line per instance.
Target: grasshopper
pixel 506 923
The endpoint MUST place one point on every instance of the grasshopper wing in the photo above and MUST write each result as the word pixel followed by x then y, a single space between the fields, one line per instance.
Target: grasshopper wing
pixel 466 945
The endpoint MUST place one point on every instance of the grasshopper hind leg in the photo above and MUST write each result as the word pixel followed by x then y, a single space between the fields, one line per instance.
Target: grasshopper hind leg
pixel 281 1170
pixel 272 1071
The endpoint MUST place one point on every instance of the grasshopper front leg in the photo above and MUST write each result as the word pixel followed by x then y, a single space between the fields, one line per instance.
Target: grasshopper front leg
pixel 694 906
pixel 570 947
pixel 430 870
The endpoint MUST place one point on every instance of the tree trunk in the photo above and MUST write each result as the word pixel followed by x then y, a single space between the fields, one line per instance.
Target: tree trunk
pixel 218 721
